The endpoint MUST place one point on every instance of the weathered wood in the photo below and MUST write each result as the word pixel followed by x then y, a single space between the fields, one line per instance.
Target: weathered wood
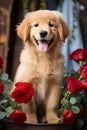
pixel 83 21
pixel 43 126
pixel 15 43
pixel 5 12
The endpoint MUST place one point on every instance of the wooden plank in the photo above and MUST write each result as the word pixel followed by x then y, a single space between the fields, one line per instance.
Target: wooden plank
pixel 83 21
pixel 5 12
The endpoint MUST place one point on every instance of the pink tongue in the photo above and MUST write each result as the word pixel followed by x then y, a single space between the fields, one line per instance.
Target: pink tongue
pixel 42 46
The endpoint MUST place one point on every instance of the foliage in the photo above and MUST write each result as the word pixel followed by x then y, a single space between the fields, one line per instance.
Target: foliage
pixel 6 104
pixel 74 93
pixel 8 107
pixel 5 100
pixel 10 103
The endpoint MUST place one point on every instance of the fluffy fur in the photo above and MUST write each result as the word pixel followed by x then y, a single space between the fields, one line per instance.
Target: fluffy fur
pixel 41 62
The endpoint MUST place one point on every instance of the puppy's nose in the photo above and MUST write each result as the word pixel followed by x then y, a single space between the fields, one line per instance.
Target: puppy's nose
pixel 43 33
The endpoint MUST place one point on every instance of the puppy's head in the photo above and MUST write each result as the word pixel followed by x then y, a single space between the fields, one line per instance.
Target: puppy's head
pixel 43 29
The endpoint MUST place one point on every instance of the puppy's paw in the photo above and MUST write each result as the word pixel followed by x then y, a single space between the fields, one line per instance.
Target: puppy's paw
pixel 31 119
pixel 53 118
pixel 51 121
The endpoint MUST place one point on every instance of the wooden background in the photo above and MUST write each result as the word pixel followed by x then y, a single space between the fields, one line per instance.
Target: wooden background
pixel 11 13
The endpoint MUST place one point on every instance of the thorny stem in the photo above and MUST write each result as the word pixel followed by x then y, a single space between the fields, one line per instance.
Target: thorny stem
pixel 67 95
pixel 80 63
pixel 80 77
pixel 3 107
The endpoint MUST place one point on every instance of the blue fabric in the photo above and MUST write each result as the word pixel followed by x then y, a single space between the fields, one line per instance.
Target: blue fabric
pixel 68 48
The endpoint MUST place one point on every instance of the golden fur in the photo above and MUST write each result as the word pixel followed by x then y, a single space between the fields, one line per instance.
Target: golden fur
pixel 43 66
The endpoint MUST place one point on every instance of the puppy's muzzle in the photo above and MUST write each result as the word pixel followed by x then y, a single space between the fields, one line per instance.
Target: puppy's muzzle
pixel 43 34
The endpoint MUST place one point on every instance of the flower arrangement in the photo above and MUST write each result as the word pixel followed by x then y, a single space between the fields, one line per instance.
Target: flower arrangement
pixel 22 93
pixel 73 102
pixel 10 109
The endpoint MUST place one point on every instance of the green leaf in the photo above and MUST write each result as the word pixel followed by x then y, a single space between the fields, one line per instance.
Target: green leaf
pixel 2 115
pixel 66 104
pixel 60 112
pixel 8 85
pixel 8 111
pixel 77 96
pixel 72 100
pixel 3 101
pixel 75 109
pixel 4 76
pixel 62 100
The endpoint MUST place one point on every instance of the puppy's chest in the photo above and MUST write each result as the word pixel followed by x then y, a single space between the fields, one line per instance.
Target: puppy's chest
pixel 42 90
pixel 43 70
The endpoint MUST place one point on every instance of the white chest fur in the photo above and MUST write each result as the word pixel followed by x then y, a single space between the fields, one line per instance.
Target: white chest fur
pixel 41 91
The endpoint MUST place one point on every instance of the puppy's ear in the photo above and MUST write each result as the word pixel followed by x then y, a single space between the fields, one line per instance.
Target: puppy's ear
pixel 62 26
pixel 63 30
pixel 23 30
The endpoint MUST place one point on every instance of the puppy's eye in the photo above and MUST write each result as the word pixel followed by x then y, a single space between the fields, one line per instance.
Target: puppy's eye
pixel 36 25
pixel 51 24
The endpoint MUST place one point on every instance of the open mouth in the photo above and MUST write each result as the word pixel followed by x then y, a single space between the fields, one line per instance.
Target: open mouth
pixel 43 44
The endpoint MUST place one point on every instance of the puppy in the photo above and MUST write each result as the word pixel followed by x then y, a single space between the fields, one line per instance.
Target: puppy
pixel 41 63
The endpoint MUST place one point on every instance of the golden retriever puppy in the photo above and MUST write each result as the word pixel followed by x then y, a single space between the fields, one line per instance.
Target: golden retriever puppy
pixel 41 62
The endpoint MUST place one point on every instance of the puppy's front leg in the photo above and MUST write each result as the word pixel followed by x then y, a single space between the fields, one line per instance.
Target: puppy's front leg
pixel 53 97
pixel 30 110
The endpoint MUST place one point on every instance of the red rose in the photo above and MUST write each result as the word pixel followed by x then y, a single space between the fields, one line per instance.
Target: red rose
pixel 85 111
pixel 83 71
pixel 1 88
pixel 69 117
pixel 1 62
pixel 79 55
pixel 18 117
pixel 23 92
pixel 74 85
pixel 84 83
